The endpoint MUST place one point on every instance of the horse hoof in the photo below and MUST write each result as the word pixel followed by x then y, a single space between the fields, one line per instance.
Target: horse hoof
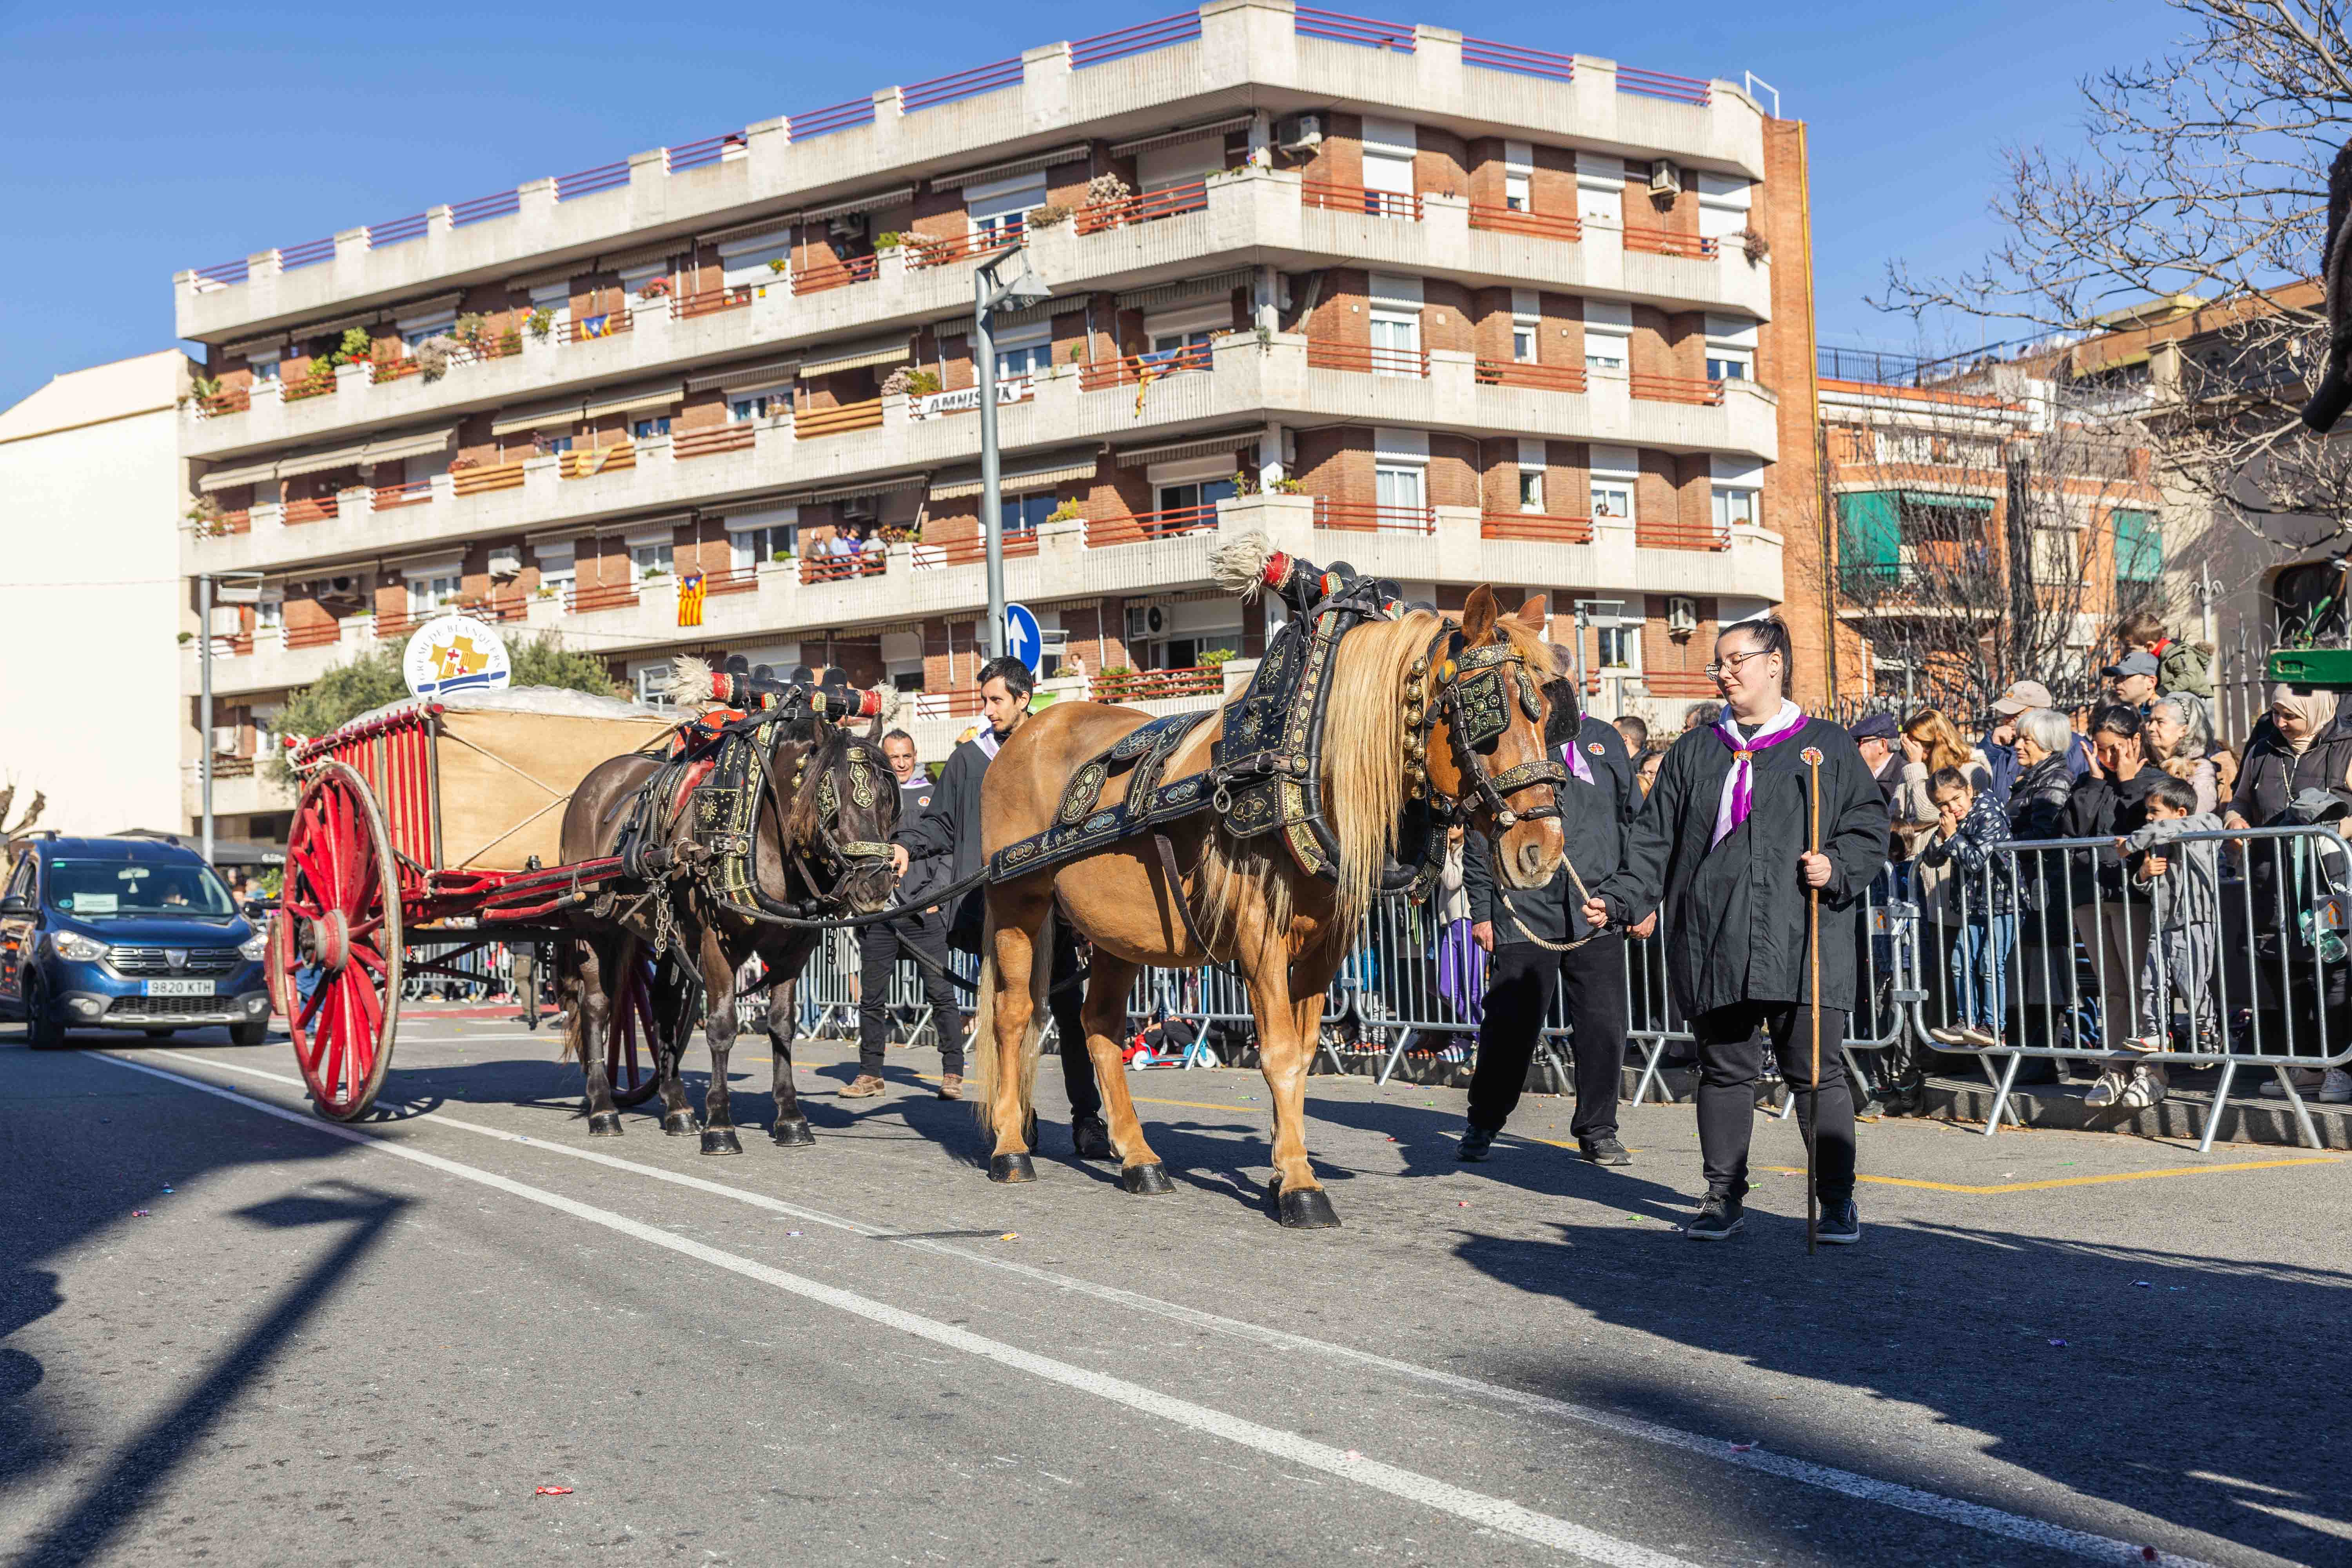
pixel 605 1124
pixel 791 1134
pixel 1011 1168
pixel 1147 1181
pixel 1306 1209
pixel 677 1123
pixel 720 1141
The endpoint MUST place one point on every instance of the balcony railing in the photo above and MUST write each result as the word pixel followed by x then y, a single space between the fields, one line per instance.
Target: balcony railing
pixel 1667 534
pixel 1358 199
pixel 381 371
pixel 1537 528
pixel 490 477
pixel 600 597
pixel 1172 202
pixel 1144 37
pixel 1673 682
pixel 969 83
pixel 843 568
pixel 1095 375
pixel 1517 57
pixel 398 627
pixel 1159 685
pixel 835 274
pixel 294 389
pixel 603 324
pixel 947 704
pixel 1537 225
pixel 1342 28
pixel 1675 389
pixel 1142 527
pixel 221 522
pixel 711 301
pixel 809 423
pixel 729 437
pixel 1323 354
pixel 317 635
pixel 235 400
pixel 925 250
pixel 584 462
pixel 1657 84
pixel 967 552
pixel 318 509
pixel 1522 372
pixel 494 609
pixel 414 493
pixel 734 580
pixel 1667 242
pixel 1372 519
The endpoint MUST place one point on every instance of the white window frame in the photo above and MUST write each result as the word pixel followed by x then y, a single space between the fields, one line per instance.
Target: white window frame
pixel 1022 352
pixel 753 403
pixel 559 565
pixel 1608 336
pixel 1002 207
pixel 1600 189
pixel 1518 176
pixel 1622 636
pixel 263 362
pixel 1722 204
pixel 651 682
pixel 1616 487
pixel 1400 486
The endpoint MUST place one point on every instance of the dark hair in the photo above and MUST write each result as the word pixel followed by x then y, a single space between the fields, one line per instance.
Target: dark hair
pixel 2116 718
pixel 1636 732
pixel 2177 794
pixel 1010 671
pixel 2139 626
pixel 1772 636
pixel 1950 778
pixel 900 735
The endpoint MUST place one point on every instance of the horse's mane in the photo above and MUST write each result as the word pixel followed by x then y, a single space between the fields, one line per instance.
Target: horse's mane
pixel 1363 783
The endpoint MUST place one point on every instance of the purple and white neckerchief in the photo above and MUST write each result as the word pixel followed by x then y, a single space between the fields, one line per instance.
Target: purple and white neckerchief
pixel 1739 783
pixel 985 738
pixel 1573 756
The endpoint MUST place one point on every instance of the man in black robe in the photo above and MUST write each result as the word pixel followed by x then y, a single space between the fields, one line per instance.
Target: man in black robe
pixel 1525 929
pixel 1723 841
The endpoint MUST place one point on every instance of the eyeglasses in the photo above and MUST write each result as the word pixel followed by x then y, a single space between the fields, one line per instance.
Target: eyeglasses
pixel 1730 664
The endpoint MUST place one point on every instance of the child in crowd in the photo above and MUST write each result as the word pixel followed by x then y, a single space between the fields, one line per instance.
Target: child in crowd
pixel 1970 823
pixel 2183 881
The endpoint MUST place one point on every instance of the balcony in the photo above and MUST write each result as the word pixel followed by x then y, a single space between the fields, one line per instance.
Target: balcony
pixel 1367 359
pixel 850 568
pixel 843 419
pixel 1021 542
pixel 580 600
pixel 1536 527
pixel 1325 196
pixel 1158 685
pixel 1562 227
pixel 1105 533
pixel 1541 377
pixel 1175 201
pixel 1675 389
pixel 1365 517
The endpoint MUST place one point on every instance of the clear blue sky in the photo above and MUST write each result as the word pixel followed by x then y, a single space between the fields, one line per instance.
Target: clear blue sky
pixel 142 141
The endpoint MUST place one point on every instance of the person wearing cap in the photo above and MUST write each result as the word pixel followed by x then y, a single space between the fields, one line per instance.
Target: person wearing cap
pixel 2001 741
pixel 2131 680
pixel 1878 738
pixel 1875 736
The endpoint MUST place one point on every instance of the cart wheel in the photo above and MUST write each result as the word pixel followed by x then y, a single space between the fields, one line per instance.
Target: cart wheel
pixel 631 1058
pixel 339 918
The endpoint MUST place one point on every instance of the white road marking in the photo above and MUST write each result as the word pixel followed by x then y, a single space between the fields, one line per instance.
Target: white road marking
pixel 1974 1516
pixel 1487 1512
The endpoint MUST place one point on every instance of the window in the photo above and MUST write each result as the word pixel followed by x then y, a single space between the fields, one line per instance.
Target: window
pixel 1621 648
pixel 435 592
pixel 647 561
pixel 2139 548
pixel 1022 514
pixel 556 570
pixel 1186 496
pixel 1169 345
pixel 1726 368
pixel 1399 489
pixel 265 367
pixel 1523 341
pixel 269 615
pixel 1023 350
pixel 543 445
pixel 1518 176
pixel 1516 192
pixel 646 430
pixel 759 546
pixel 1396 343
pixel 1734 506
pixel 1531 490
pixel 411 336
pixel 1613 498
pixel 1001 209
pixel 772 404
pixel 652 683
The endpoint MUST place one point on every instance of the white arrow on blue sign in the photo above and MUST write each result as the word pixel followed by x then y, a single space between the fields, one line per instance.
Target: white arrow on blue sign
pixel 1022 639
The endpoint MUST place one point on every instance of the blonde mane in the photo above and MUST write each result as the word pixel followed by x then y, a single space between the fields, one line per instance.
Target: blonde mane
pixel 1363 783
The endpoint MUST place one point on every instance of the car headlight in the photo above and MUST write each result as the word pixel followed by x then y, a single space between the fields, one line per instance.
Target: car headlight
pixel 254 947
pixel 80 949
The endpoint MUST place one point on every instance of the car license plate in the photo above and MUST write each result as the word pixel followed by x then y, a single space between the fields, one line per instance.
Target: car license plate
pixel 179 988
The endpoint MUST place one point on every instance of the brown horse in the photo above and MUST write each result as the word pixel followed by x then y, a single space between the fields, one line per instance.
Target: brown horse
pixel 1285 930
pixel 828 808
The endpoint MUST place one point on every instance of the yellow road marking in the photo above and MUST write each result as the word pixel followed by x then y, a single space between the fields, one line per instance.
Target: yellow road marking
pixel 2077 1181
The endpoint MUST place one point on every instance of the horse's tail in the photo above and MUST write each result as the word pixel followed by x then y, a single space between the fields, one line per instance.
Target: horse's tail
pixel 983 1051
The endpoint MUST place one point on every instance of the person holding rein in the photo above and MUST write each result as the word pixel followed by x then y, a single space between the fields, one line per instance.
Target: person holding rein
pixel 1724 845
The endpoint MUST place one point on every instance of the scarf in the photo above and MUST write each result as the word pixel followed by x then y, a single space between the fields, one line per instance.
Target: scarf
pixel 985 738
pixel 1739 783
pixel 1573 756
pixel 2316 708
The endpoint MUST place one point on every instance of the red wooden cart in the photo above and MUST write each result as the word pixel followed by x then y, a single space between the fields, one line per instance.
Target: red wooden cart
pixel 431 823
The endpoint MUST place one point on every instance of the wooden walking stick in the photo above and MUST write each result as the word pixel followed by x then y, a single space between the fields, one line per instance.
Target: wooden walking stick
pixel 1813 954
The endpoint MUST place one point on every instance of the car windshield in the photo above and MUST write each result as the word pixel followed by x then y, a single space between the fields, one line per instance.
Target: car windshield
pixel 103 889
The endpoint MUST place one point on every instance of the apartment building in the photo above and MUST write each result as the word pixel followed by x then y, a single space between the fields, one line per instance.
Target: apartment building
pixel 1451 310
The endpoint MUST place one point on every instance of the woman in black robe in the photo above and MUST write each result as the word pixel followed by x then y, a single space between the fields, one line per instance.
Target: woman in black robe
pixel 1722 842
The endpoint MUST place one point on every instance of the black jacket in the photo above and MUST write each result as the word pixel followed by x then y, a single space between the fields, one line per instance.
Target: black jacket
pixel 1594 819
pixel 948 835
pixel 1735 927
pixel 2104 806
pixel 922 876
pixel 2038 800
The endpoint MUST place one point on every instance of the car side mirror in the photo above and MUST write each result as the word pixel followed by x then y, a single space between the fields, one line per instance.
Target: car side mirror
pixel 259 909
pixel 13 907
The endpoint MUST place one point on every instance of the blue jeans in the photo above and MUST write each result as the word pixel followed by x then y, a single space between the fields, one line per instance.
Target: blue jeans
pixel 1978 959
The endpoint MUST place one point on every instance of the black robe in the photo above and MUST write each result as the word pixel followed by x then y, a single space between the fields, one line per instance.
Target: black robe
pixel 949 831
pixel 1593 821
pixel 1736 917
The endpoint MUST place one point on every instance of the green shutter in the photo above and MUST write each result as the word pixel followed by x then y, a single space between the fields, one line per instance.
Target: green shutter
pixel 2139 547
pixel 1870 540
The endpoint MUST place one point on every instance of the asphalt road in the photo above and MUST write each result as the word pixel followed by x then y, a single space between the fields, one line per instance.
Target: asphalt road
pixel 318 1345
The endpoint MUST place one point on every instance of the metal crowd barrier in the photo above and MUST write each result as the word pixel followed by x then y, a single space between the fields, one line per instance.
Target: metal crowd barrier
pixel 485 968
pixel 2064 938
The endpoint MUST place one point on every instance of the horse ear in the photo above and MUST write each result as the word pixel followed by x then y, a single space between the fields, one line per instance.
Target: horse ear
pixel 1534 612
pixel 1478 616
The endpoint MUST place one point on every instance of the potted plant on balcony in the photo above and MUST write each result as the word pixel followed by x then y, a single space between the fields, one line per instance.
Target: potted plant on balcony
pixel 889 240
pixel 1217 658
pixel 203 517
pixel 1066 512
pixel 1051 215
pixel 540 322
pixel 655 288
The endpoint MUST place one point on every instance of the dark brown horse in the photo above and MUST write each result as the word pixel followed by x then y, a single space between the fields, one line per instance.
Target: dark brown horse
pixel 1284 930
pixel 828 807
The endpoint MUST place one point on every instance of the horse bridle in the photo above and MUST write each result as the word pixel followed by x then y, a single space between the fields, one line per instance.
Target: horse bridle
pixel 1472 688
pixel 865 768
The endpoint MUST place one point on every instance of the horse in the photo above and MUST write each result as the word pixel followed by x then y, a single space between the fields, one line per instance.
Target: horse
pixel 827 807
pixel 1246 902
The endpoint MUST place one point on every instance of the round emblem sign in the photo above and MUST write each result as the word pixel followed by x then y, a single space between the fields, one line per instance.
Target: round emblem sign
pixel 454 651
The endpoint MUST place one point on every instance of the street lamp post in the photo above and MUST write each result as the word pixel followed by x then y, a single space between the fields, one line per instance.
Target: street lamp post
pixel 989 295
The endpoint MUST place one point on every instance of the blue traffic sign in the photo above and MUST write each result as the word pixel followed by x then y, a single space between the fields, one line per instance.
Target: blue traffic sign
pixel 1022 639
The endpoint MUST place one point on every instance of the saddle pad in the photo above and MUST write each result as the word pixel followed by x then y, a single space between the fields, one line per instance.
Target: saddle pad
pixel 1079 829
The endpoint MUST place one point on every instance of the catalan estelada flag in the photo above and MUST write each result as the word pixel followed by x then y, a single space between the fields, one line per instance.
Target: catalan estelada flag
pixel 689 599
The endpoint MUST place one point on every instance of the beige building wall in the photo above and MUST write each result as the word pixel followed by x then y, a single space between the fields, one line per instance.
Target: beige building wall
pixel 91 495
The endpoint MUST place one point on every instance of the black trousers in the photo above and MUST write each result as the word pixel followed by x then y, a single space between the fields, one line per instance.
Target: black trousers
pixel 1064 1004
pixel 879 946
pixel 1731 1045
pixel 1520 983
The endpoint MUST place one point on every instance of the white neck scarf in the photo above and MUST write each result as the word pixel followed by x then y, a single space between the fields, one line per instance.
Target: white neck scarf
pixel 1739 783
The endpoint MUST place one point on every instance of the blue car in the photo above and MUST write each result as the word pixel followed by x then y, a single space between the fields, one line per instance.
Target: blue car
pixel 127 933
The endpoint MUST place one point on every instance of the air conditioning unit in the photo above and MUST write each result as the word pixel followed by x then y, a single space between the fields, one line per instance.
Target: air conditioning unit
pixel 1682 615
pixel 848 225
pixel 1665 180
pixel 1299 133
pixel 1145 622
pixel 505 563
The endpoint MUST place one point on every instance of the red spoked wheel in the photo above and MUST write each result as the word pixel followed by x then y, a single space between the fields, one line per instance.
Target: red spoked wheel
pixel 631 1043
pixel 338 926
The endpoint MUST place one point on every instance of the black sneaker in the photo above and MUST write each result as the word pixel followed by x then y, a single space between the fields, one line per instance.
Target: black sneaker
pixel 1839 1226
pixel 1478 1143
pixel 1090 1140
pixel 1719 1218
pixel 1605 1150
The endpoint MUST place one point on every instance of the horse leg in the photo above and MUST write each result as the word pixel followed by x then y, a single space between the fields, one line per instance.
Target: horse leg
pixel 600 972
pixel 1104 1014
pixel 673 1023
pixel 1287 996
pixel 790 1129
pixel 1009 1003
pixel 719 1028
